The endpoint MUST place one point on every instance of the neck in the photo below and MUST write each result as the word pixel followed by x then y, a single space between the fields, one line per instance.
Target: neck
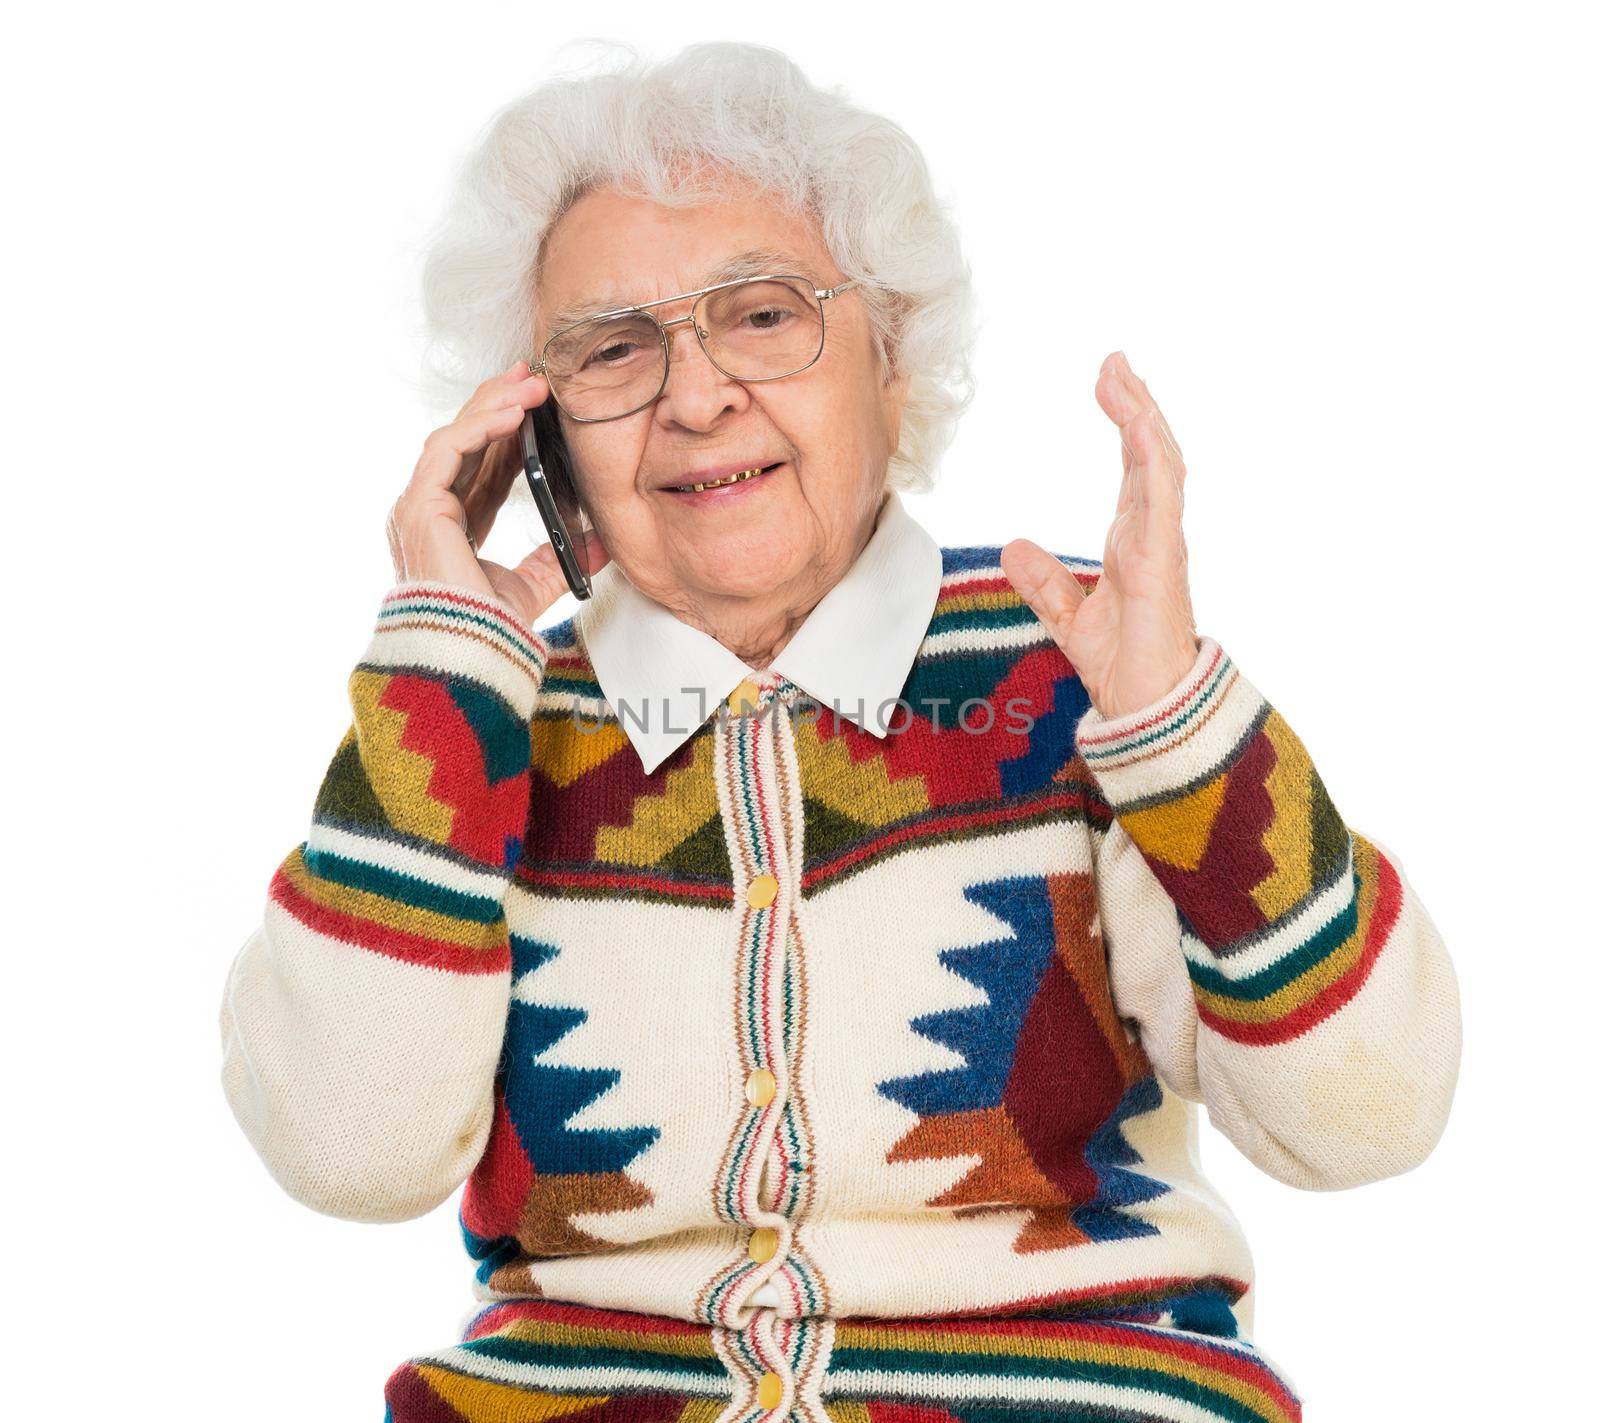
pixel 757 646
pixel 756 632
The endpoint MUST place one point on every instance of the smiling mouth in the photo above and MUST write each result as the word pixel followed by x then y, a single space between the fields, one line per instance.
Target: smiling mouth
pixel 738 478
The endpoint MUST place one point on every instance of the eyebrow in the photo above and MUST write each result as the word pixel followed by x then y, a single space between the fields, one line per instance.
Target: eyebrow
pixel 753 262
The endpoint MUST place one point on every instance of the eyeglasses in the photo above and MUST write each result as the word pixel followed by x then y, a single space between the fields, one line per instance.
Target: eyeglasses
pixel 614 363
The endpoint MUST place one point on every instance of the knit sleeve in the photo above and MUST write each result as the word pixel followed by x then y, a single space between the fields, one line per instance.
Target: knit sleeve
pixel 1279 966
pixel 363 1018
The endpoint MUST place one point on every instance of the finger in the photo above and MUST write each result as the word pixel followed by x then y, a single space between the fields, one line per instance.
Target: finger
pixel 520 395
pixel 539 581
pixel 513 384
pixel 540 574
pixel 486 496
pixel 1151 501
pixel 1110 397
pixel 595 551
pixel 1045 583
pixel 505 394
pixel 1130 390
pixel 447 451
pixel 489 394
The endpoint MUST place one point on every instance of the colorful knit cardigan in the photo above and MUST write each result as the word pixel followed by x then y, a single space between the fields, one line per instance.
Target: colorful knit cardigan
pixel 933 1092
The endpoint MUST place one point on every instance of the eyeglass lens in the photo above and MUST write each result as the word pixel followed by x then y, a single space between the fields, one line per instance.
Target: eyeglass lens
pixel 753 331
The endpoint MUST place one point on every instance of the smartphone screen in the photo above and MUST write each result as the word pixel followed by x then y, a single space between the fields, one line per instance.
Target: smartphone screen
pixel 548 469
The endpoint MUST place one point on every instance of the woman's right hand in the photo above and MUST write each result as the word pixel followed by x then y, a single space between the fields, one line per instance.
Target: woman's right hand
pixel 462 478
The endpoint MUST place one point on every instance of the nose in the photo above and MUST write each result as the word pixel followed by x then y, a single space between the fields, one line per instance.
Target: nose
pixel 696 393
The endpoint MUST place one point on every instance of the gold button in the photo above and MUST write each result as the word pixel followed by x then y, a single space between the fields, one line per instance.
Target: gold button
pixel 763 1244
pixel 769 1392
pixel 759 1086
pixel 743 697
pixel 762 891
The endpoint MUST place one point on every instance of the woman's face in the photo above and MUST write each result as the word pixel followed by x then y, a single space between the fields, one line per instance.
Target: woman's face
pixel 744 553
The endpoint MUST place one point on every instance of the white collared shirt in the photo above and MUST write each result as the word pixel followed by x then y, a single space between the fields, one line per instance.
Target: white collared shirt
pixel 664 678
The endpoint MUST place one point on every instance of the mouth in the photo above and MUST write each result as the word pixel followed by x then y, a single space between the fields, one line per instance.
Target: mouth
pixel 743 476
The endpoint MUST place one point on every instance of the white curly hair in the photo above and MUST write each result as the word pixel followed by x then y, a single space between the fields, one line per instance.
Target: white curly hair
pixel 630 124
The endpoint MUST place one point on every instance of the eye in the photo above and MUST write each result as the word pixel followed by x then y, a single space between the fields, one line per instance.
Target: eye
pixel 767 318
pixel 612 353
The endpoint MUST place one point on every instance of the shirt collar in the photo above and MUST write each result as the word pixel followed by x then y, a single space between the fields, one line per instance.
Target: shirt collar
pixel 664 678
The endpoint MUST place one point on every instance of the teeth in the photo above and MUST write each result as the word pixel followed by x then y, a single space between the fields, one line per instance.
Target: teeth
pixel 718 483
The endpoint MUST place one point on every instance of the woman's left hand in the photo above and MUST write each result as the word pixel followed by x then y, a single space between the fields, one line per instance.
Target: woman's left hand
pixel 1131 640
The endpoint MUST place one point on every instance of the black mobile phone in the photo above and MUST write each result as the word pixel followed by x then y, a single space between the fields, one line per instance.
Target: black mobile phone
pixel 548 469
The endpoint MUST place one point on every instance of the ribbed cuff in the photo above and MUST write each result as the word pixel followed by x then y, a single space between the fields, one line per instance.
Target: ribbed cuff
pixel 1178 742
pixel 455 631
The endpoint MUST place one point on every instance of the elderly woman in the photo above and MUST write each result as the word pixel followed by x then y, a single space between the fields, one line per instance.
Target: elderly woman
pixel 809 955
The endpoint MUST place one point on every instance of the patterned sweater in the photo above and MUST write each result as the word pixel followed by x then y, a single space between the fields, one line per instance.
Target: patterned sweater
pixel 808 1028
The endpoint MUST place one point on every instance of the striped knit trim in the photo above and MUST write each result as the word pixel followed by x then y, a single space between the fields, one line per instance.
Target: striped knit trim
pixel 544 1355
pixel 371 917
pixel 1128 1370
pixel 457 633
pixel 1109 743
pixel 793 1350
pixel 443 604
pixel 807 1346
pixel 759 843
pixel 433 875
pixel 414 894
pixel 983 561
pixel 1256 965
pixel 569 679
pixel 554 1359
pixel 458 636
pixel 794 1188
pixel 1314 977
pixel 969 593
pixel 978 609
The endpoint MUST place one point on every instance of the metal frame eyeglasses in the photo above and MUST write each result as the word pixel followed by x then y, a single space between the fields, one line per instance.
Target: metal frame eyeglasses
pixel 644 308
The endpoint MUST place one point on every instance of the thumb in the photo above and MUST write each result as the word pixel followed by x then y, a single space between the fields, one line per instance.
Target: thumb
pixel 1045 583
pixel 539 581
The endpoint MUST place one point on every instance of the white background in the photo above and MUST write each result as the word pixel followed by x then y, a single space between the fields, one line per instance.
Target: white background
pixel 1350 247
